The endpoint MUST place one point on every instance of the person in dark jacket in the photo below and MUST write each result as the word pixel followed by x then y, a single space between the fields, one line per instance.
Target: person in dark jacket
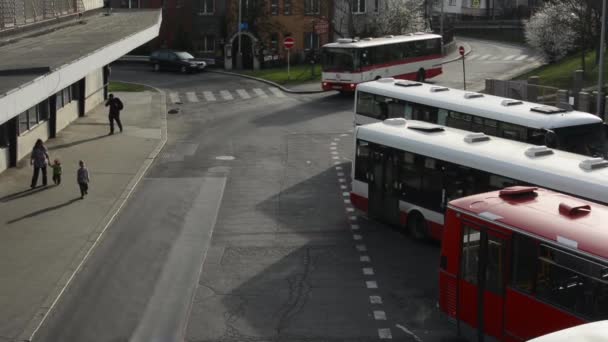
pixel 39 160
pixel 114 115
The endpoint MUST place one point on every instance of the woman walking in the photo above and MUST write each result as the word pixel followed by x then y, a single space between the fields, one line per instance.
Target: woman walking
pixel 39 160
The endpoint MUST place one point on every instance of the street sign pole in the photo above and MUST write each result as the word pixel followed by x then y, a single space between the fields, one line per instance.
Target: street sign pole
pixel 288 76
pixel 288 43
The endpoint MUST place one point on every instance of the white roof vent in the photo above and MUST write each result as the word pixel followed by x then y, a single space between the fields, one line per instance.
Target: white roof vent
pixel 476 137
pixel 438 89
pixel 395 122
pixel 386 80
pixel 406 83
pixel 472 95
pixel 510 102
pixel 538 151
pixel 593 164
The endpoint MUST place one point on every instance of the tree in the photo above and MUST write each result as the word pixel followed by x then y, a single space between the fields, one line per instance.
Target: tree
pixel 551 30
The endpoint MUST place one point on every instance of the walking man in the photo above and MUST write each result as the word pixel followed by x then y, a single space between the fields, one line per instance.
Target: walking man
pixel 115 107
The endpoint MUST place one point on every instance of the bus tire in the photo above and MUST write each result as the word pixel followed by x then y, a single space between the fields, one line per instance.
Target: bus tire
pixel 416 225
pixel 421 76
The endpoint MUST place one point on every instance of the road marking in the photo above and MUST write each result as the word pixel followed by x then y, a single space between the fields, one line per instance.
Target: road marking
pixel 243 94
pixel 334 152
pixel 332 147
pixel 336 139
pixel 340 174
pixel 484 57
pixel 508 58
pixel 368 271
pixel 343 187
pixel 354 227
pixel 333 143
pixel 346 194
pixel 350 210
pixel 337 162
pixel 209 96
pixel 379 315
pixel 335 157
pixel 473 56
pixel 174 97
pixel 346 201
pixel 352 218
pixel 385 333
pixel 226 95
pixel 407 331
pixel 341 180
pixel 493 58
pixel 343 135
pixel 375 300
pixel 357 237
pixel 361 248
pixel 191 96
pixel 365 258
pixel 259 92
pixel 338 168
pixel 276 92
pixel 521 58
pixel 371 284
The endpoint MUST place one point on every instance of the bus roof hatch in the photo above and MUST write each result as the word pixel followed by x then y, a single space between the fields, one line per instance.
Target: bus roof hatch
pixel 517 190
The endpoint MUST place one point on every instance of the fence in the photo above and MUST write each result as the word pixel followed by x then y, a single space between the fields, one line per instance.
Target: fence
pixel 16 13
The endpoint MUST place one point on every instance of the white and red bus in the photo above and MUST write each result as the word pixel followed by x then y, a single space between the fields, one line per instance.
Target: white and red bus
pixel 405 172
pixel 534 123
pixel 523 262
pixel 348 62
pixel 589 332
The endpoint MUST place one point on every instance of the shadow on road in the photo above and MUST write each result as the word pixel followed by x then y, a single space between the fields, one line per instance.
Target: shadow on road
pixel 77 142
pixel 42 211
pixel 23 193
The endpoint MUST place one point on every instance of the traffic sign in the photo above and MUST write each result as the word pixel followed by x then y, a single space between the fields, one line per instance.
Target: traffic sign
pixel 461 50
pixel 289 42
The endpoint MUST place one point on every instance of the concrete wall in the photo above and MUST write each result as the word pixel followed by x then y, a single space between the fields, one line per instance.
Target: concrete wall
pixel 27 140
pixel 4 159
pixel 94 89
pixel 66 115
pixel 92 4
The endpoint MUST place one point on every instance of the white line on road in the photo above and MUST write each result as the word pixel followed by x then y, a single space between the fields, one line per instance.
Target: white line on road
pixel 343 135
pixel 336 139
pixel 385 333
pixel 361 248
pixel 337 162
pixel 521 58
pixel 407 331
pixel 343 187
pixel 259 92
pixel 484 57
pixel 375 299
pixel 346 201
pixel 357 237
pixel 340 174
pixel 174 97
pixel 341 180
pixel 243 94
pixel 346 194
pixel 333 143
pixel 226 95
pixel 350 210
pixel 338 168
pixel 191 96
pixel 365 258
pixel 276 92
pixel 371 284
pixel 352 218
pixel 368 271
pixel 508 58
pixel 354 227
pixel 335 157
pixel 379 315
pixel 209 96
pixel 334 152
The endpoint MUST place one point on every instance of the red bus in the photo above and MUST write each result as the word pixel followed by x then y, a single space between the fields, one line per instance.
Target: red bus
pixel 523 262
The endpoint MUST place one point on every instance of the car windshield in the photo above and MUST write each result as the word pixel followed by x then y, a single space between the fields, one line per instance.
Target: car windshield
pixel 184 55
pixel 337 60
pixel 588 139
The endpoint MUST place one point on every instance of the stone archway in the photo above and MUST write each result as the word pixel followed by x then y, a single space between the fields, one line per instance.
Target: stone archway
pixel 250 44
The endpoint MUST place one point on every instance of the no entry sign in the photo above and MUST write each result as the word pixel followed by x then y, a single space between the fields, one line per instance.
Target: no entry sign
pixel 461 50
pixel 289 42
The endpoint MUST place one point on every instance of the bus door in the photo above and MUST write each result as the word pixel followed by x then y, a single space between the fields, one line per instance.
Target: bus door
pixel 482 279
pixel 383 191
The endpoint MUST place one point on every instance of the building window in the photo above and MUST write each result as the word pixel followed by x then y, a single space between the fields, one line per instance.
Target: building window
pixel 274 7
pixel 208 43
pixel 358 6
pixel 287 7
pixel 311 41
pixel 30 118
pixel 274 42
pixel 452 3
pixel 4 142
pixel 63 98
pixel 312 7
pixel 376 6
pixel 206 7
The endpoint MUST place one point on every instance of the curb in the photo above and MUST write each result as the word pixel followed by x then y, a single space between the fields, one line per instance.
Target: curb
pixel 287 90
pixel 96 235
pixel 467 51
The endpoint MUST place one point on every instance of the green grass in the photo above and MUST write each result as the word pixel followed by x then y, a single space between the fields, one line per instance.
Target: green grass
pixel 560 74
pixel 128 87
pixel 298 74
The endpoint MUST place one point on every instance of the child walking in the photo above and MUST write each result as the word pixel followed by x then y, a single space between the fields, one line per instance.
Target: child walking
pixel 56 171
pixel 83 179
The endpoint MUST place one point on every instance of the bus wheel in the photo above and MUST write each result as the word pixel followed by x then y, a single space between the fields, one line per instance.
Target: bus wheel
pixel 416 225
pixel 421 76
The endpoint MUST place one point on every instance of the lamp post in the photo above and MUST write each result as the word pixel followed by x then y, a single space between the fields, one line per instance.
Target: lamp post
pixel 239 56
pixel 600 82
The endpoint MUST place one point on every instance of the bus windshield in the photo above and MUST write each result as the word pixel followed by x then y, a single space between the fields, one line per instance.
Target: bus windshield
pixel 338 60
pixel 589 139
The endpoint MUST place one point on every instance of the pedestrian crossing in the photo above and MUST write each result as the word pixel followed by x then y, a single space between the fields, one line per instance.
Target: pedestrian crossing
pixel 224 95
pixel 493 58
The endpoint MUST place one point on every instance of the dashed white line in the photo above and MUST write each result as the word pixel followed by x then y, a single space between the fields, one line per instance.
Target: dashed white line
pixel 352 218
pixel 361 248
pixel 357 237
pixel 243 94
pixel 375 300
pixel 209 96
pixel 337 162
pixel 385 333
pixel 346 201
pixel 484 57
pixel 365 258
pixel 344 135
pixel 521 58
pixel 341 180
pixel 226 95
pixel 338 168
pixel 508 58
pixel 354 227
pixel 368 271
pixel 333 143
pixel 336 139
pixel 379 315
pixel 350 210
pixel 334 152
pixel 277 92
pixel 259 92
pixel 340 174
pixel 343 187
pixel 174 97
pixel 346 194
pixel 407 331
pixel 191 96
pixel 371 284
pixel 335 157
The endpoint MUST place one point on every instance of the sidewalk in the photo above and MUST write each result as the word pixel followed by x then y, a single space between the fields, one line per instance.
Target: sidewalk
pixel 45 233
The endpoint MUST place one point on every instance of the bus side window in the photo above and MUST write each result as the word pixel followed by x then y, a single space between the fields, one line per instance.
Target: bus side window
pixel 380 107
pixel 365 104
pixel 471 239
pixel 459 120
pixel 408 111
pixel 396 109
pixel 513 132
pixel 525 251
pixel 442 115
pixel 362 160
pixel 432 184
pixel 410 175
pixel 490 127
pixel 425 113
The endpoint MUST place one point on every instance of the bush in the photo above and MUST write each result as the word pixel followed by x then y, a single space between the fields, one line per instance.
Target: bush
pixel 551 31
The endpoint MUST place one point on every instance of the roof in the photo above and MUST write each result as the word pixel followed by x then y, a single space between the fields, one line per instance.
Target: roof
pixel 488 106
pixel 540 217
pixel 559 171
pixel 367 42
pixel 99 36
pixel 590 332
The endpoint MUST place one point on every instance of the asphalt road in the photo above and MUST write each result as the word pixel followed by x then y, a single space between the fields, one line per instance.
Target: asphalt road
pixel 242 231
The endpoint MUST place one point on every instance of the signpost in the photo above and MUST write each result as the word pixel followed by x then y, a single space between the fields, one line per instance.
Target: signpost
pixel 464 79
pixel 288 43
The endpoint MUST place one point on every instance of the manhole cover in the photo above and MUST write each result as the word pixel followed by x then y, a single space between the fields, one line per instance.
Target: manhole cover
pixel 224 158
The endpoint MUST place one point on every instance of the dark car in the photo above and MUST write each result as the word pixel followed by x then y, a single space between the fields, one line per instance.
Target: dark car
pixel 176 60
